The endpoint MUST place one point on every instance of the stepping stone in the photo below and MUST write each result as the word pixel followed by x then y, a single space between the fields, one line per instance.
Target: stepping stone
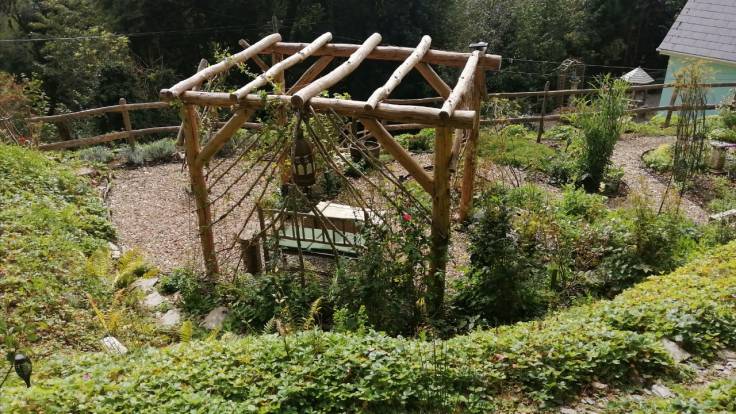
pixel 726 354
pixel 215 318
pixel 662 391
pixel 153 300
pixel 145 285
pixel 675 351
pixel 170 319
pixel 113 346
pixel 115 252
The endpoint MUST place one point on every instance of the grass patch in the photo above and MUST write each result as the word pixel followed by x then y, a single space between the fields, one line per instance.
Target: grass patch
pixel 614 341
pixel 514 146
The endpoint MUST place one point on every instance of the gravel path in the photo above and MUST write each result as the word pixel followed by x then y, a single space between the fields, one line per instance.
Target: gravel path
pixel 627 155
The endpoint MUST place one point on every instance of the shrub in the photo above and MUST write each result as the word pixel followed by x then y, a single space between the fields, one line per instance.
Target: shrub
pixel 577 203
pixel 601 121
pixel 98 154
pixel 722 134
pixel 727 113
pixel 501 284
pixel 420 142
pixel 614 342
pixel 659 159
pixel 725 196
pixel 157 151
pixel 386 278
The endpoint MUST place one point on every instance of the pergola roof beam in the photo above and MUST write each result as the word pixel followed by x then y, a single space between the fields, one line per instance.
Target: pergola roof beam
pixel 463 86
pixel 434 80
pixel 337 74
pixel 259 62
pixel 221 67
pixel 400 73
pixel 396 53
pixel 389 112
pixel 280 67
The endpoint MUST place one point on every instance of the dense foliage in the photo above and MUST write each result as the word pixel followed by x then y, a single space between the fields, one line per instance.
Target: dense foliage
pixel 54 262
pixel 613 342
pixel 531 252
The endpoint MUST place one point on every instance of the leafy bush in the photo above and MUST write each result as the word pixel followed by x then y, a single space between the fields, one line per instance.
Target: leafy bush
pixel 157 151
pixel 727 113
pixel 601 121
pixel 97 154
pixel 385 279
pixel 614 342
pixel 719 397
pixel 420 142
pixel 659 159
pixel 722 134
pixel 725 196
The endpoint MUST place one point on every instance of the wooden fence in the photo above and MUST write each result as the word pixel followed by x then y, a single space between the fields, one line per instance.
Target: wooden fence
pixel 546 94
pixel 124 109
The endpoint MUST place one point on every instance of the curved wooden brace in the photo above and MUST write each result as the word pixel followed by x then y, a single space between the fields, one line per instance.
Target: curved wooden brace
pixel 339 73
pixel 399 74
pixel 280 67
pixel 434 80
pixel 221 67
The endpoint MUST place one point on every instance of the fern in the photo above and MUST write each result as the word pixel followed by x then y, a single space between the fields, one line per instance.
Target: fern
pixel 314 310
pixel 186 331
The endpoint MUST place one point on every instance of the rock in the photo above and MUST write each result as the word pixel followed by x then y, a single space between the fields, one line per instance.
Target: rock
pixel 662 391
pixel 676 352
pixel 599 385
pixel 566 410
pixel 215 318
pixel 170 319
pixel 727 354
pixel 86 172
pixel 113 346
pixel 115 252
pixel 153 300
pixel 145 285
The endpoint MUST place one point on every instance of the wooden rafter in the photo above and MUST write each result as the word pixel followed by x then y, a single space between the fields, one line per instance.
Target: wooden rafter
pixel 259 62
pixel 337 74
pixel 221 67
pixel 399 74
pixel 280 67
pixel 464 84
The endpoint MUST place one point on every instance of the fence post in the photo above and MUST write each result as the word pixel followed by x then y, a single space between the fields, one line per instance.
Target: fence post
pixel 673 101
pixel 540 131
pixel 126 121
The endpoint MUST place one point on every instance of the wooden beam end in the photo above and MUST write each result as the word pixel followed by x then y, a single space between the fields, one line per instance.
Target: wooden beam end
pixel 166 95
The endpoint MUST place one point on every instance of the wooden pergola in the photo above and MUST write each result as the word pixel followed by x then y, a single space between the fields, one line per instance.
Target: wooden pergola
pixel 456 122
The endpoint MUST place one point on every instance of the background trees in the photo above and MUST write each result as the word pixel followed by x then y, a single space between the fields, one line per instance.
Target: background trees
pixel 90 52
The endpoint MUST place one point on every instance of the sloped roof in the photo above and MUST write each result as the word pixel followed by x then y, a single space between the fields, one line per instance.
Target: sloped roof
pixel 638 76
pixel 705 28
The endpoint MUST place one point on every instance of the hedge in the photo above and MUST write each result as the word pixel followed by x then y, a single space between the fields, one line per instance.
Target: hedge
pixel 543 361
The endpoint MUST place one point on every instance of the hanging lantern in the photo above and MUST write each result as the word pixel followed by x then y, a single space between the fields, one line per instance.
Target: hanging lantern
pixel 302 159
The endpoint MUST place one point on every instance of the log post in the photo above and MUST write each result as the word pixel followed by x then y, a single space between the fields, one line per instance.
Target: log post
pixel 673 101
pixel 540 130
pixel 199 189
pixel 471 151
pixel 126 121
pixel 435 282
pixel 203 64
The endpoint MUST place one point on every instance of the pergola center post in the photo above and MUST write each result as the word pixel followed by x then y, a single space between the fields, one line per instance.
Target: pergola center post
pixel 435 283
pixel 199 189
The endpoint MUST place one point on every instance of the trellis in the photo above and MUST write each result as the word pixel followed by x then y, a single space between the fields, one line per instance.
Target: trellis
pixel 456 122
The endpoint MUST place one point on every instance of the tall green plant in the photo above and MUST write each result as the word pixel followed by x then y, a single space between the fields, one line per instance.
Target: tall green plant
pixel 601 120
pixel 691 126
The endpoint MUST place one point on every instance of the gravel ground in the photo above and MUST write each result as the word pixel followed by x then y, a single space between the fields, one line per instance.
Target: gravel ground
pixel 628 154
pixel 153 210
